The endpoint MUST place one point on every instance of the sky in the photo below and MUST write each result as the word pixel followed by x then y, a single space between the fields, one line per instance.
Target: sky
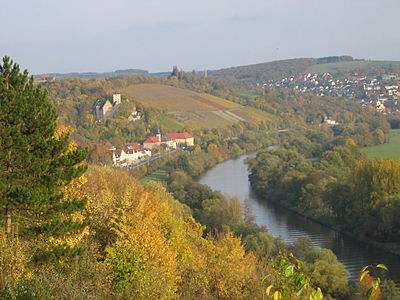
pixel 46 36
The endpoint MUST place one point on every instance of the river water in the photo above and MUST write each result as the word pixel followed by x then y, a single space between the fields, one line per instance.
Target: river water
pixel 231 178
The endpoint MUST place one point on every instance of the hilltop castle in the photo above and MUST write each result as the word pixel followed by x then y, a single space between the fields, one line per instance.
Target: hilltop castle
pixel 105 109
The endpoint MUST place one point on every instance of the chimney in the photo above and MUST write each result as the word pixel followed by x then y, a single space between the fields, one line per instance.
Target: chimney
pixel 158 136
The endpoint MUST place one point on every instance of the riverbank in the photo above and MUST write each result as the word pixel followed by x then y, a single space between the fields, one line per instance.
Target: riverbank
pixel 231 179
pixel 389 247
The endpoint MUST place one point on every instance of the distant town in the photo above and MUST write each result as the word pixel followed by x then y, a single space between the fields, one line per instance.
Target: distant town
pixel 380 92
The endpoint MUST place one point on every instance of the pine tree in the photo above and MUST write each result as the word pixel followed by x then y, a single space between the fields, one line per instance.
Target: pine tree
pixel 35 162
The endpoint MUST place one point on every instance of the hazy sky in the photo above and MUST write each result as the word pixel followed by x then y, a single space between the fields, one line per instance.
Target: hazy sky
pixel 105 35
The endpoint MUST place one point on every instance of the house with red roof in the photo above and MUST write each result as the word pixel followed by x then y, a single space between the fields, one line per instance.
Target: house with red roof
pixel 158 140
pixel 182 138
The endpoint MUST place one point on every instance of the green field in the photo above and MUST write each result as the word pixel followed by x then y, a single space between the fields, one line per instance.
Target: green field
pixel 159 175
pixel 390 149
pixel 348 66
pixel 249 93
pixel 168 123
pixel 197 110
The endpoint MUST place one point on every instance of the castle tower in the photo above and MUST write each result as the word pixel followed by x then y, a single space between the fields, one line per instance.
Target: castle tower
pixel 116 98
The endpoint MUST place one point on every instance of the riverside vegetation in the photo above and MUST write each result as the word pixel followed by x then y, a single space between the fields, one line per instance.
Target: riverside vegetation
pixel 101 234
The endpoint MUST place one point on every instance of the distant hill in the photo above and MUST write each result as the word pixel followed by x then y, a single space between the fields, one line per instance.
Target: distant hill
pixel 356 66
pixel 342 65
pixel 187 108
pixel 91 75
pixel 267 71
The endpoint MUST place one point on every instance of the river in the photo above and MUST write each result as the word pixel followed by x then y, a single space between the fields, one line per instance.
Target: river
pixel 231 178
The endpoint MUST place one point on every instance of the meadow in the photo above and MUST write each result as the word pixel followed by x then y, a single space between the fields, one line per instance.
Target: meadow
pixel 390 149
pixel 158 175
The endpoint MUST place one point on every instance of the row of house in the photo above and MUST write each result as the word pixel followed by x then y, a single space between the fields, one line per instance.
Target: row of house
pixel 379 92
pixel 131 153
pixel 170 140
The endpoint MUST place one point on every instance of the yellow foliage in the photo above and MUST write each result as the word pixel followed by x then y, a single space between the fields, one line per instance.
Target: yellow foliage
pixel 63 130
pixel 13 261
pixel 154 250
pixel 233 270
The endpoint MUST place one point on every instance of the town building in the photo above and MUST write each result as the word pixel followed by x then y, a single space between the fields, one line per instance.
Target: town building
pixel 130 154
pixel 182 139
pixel 105 109
pixel 135 115
pixel 158 140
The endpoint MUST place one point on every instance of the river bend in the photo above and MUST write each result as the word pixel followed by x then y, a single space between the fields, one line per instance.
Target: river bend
pixel 231 178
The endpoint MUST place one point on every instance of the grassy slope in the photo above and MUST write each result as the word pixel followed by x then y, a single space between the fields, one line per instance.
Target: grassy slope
pixel 187 108
pixel 349 66
pixel 391 149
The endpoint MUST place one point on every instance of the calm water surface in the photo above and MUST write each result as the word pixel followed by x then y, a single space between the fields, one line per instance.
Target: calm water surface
pixel 231 178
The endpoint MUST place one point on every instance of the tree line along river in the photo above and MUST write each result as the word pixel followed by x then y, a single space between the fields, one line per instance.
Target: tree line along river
pixel 231 178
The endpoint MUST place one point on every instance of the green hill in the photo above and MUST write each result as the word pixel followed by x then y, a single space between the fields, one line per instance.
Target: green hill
pixel 184 107
pixel 339 65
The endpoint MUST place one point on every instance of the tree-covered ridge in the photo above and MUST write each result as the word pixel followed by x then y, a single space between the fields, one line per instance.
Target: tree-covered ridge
pixel 275 70
pixel 266 71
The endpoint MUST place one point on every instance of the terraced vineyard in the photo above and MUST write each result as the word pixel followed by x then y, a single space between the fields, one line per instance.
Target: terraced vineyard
pixel 187 108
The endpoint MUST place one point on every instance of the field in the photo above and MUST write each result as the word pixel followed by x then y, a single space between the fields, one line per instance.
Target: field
pixel 167 122
pixel 391 149
pixel 187 108
pixel 249 93
pixel 158 175
pixel 347 66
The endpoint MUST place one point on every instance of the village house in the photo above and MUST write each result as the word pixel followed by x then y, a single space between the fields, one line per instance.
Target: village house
pixel 105 109
pixel 182 139
pixel 135 115
pixel 329 121
pixel 158 140
pixel 131 153
pixel 380 106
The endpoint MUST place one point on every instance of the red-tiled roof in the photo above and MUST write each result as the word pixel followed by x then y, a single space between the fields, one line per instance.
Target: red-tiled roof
pixel 134 146
pixel 166 138
pixel 181 135
pixel 152 139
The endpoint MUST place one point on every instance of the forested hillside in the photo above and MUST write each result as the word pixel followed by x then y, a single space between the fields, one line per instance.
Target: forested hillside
pixel 275 70
pixel 266 71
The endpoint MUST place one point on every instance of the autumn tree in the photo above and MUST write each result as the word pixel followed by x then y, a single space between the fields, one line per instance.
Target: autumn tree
pixel 35 162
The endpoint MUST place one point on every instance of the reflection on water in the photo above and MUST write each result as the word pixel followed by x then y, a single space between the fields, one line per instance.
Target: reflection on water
pixel 231 178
